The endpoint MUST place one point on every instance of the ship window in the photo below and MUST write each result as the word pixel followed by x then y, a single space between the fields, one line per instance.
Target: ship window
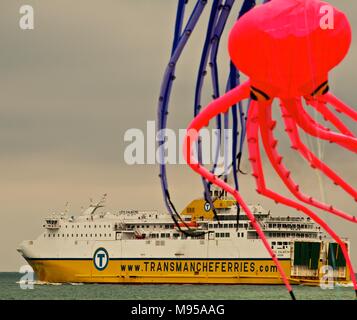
pixel 77 235
pixel 162 235
pixel 66 226
pixel 110 234
pixel 273 243
pixel 62 235
pixel 100 235
pixel 85 226
pixel 241 225
pixel 77 225
pixel 231 225
pixel 222 235
pixel 95 235
pixel 100 226
pixel 215 225
pixel 235 225
pixel 227 235
pixel 238 234
pixel 279 243
pixel 81 235
pixel 105 234
pixel 242 234
pixel 95 226
pixel 72 226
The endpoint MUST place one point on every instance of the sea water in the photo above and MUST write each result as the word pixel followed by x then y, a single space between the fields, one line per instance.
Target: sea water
pixel 10 288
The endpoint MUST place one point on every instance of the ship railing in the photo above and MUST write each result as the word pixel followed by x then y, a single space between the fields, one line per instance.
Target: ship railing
pixel 293 228
pixel 287 219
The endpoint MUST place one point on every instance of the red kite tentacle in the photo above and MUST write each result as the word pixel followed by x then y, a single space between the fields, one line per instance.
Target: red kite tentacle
pixel 329 116
pixel 202 119
pixel 257 167
pixel 340 106
pixel 301 117
pixel 315 162
pixel 270 143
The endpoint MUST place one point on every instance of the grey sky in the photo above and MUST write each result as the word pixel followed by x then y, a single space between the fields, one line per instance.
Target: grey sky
pixel 90 70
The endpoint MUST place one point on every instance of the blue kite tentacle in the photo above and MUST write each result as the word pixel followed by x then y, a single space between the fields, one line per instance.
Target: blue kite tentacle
pixel 225 145
pixel 232 82
pixel 247 6
pixel 180 40
pixel 178 24
pixel 217 21
pixel 204 57
pixel 221 23
pixel 216 6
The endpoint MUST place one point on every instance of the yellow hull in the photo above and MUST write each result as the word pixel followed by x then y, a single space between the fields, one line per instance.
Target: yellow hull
pixel 159 271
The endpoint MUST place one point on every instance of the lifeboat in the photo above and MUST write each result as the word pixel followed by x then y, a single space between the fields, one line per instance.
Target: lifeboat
pixel 188 225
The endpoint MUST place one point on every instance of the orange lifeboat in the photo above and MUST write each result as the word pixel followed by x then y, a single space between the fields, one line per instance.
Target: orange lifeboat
pixel 189 224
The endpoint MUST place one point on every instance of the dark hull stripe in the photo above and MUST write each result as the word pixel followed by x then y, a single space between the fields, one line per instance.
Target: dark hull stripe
pixel 143 258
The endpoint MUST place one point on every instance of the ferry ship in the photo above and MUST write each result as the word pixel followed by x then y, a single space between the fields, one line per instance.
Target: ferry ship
pixel 132 247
